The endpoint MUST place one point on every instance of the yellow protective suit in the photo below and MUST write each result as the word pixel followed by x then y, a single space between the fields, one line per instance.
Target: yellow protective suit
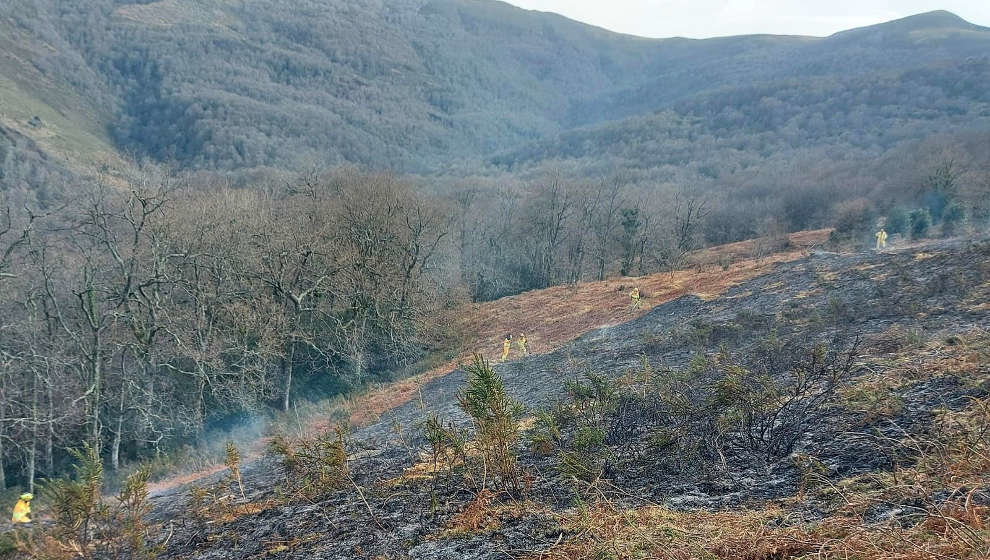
pixel 881 239
pixel 634 294
pixel 522 345
pixel 22 509
pixel 506 346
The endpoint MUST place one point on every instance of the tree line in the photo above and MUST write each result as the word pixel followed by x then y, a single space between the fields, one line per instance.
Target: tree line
pixel 144 306
pixel 552 231
pixel 141 307
pixel 135 314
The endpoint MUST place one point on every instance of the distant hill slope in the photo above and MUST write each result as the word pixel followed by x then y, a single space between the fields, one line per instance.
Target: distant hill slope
pixel 684 68
pixel 50 121
pixel 719 132
pixel 420 84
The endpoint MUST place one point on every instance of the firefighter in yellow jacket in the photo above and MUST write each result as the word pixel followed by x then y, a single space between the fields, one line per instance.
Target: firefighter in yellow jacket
pixel 521 341
pixel 506 346
pixel 881 239
pixel 635 296
pixel 22 509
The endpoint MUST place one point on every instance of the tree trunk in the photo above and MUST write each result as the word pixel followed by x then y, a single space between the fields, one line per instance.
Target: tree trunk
pixel 97 367
pixel 118 434
pixel 31 466
pixel 115 450
pixel 287 374
pixel 3 473
pixel 201 410
pixel 50 435
pixel 32 451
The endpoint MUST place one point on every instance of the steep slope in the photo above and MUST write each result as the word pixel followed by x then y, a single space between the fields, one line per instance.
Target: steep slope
pixel 270 82
pixel 420 84
pixel 857 93
pixel 551 318
pixel 50 122
pixel 920 316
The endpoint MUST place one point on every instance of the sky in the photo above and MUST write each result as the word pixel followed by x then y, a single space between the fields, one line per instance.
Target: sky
pixel 714 18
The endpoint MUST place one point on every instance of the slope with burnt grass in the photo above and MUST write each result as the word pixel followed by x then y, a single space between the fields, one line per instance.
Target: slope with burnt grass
pixel 550 318
pixel 831 405
pixel 553 317
pixel 884 451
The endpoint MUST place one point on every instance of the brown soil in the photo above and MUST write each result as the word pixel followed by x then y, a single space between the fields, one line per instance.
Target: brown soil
pixel 555 316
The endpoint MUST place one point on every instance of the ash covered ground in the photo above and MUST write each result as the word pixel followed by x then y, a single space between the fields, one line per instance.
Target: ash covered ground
pixel 908 309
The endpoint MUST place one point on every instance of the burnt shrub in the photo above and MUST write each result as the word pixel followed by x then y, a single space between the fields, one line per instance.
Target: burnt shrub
pixel 787 390
pixel 723 412
pixel 313 466
pixel 759 405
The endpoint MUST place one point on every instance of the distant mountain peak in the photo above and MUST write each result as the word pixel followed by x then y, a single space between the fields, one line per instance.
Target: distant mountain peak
pixel 934 20
pixel 939 25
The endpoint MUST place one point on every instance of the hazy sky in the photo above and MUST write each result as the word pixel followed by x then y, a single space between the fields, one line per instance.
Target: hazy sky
pixel 712 18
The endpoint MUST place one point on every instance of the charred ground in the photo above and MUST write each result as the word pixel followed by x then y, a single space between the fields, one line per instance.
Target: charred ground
pixel 609 468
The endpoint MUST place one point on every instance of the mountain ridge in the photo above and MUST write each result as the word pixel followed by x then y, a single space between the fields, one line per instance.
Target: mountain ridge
pixel 415 85
pixel 930 19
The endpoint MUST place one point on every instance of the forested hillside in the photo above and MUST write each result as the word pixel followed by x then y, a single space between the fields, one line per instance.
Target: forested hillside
pixel 284 84
pixel 420 85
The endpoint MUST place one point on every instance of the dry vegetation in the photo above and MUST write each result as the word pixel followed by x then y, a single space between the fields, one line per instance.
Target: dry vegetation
pixel 86 524
pixel 931 505
pixel 581 478
pixel 550 318
pixel 554 316
pixel 950 526
pixel 143 310
pixel 935 494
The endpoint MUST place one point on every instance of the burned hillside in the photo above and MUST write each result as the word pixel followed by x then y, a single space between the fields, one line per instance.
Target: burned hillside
pixel 886 354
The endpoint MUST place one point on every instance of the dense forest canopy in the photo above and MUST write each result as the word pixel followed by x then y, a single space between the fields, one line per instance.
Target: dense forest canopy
pixel 477 94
